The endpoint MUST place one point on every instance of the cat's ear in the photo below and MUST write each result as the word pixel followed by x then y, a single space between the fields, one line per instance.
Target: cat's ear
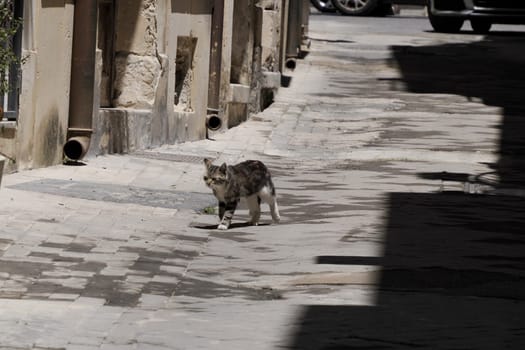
pixel 223 168
pixel 207 163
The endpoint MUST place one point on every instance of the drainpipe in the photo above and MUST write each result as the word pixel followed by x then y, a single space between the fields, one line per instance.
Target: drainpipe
pixel 213 122
pixel 294 33
pixel 81 100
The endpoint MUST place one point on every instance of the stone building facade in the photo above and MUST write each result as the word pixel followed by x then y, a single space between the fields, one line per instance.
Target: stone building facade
pixel 116 76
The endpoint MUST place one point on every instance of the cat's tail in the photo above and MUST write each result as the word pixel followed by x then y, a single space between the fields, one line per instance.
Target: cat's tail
pixel 271 186
pixel 272 202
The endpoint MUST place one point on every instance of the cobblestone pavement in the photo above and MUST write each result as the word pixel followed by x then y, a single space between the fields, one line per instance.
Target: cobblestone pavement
pixel 400 187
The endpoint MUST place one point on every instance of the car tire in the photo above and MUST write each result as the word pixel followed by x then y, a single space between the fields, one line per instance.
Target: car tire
pixel 480 26
pixel 323 5
pixel 445 24
pixel 355 7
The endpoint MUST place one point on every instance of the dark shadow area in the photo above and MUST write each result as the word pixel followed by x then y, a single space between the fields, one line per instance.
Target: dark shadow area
pixel 71 162
pixel 338 41
pixel 53 3
pixel 453 278
pixel 232 226
pixel 349 260
pixel 494 33
pixel 302 54
pixel 453 270
pixel 286 80
pixel 492 70
pixel 317 13
pixel 445 176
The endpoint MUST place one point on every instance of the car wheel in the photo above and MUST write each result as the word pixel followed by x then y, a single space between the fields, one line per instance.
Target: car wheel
pixel 356 7
pixel 323 5
pixel 443 24
pixel 480 26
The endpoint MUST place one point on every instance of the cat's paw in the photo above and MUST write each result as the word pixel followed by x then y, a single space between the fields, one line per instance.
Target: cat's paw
pixel 276 219
pixel 254 223
pixel 222 227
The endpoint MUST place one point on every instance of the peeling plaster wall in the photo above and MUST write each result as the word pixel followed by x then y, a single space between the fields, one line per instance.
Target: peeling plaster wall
pixel 136 81
pixel 189 35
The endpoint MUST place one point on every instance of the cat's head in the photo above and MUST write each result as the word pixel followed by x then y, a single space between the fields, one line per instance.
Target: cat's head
pixel 215 176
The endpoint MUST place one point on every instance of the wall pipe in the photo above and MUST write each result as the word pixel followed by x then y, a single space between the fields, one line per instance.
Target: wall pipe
pixel 294 32
pixel 80 125
pixel 213 121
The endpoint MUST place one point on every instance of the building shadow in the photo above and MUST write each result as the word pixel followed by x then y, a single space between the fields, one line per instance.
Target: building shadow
pixel 493 71
pixel 453 270
pixel 453 277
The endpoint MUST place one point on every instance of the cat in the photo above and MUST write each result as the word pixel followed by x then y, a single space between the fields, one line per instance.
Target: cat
pixel 250 179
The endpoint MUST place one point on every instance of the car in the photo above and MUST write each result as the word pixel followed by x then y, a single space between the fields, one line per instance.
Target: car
pixel 369 7
pixel 448 16
pixel 323 5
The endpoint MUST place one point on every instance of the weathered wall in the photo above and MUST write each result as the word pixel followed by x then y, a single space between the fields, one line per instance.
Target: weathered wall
pixel 156 91
pixel 242 45
pixel 250 57
pixel 53 38
pixel 137 117
pixel 161 76
pixel 36 139
pixel 267 77
pixel 269 14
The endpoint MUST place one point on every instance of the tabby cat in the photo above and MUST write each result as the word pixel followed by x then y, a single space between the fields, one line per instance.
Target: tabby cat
pixel 250 179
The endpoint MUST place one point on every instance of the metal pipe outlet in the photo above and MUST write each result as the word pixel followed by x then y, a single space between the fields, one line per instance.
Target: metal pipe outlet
pixel 80 126
pixel 213 122
pixel 291 63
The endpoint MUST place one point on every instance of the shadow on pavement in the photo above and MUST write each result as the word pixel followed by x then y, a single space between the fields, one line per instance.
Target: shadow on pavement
pixel 453 270
pixel 232 226
pixel 492 70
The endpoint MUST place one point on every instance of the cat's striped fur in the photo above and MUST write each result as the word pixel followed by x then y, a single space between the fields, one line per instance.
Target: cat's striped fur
pixel 250 179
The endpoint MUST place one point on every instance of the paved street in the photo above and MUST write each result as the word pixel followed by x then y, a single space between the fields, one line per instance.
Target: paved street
pixel 398 158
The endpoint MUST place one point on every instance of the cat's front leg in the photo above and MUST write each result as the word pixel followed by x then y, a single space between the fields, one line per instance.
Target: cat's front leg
pixel 222 208
pixel 229 209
